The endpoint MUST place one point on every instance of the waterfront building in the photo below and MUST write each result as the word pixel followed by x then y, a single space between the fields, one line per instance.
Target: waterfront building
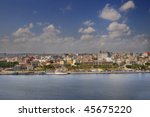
pixel 17 68
pixel 30 67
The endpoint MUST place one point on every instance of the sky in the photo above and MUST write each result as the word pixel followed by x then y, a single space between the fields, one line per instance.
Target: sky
pixel 74 26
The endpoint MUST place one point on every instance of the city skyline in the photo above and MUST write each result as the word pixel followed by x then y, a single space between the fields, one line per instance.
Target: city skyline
pixel 54 26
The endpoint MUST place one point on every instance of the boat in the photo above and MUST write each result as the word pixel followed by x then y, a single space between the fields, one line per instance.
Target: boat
pixel 61 73
pixel 57 73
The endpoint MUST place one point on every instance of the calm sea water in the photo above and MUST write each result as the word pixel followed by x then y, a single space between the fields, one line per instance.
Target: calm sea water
pixel 83 86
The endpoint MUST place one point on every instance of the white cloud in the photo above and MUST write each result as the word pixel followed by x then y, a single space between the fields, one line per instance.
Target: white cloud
pixel 110 13
pixel 87 30
pixel 51 41
pixel 22 34
pixel 51 29
pixel 30 26
pixel 88 23
pixel 128 5
pixel 139 43
pixel 87 37
pixel 118 30
pixel 66 8
pixel 117 26
pixel 50 33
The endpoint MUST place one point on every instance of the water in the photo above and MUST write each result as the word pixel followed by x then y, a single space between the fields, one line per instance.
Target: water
pixel 79 87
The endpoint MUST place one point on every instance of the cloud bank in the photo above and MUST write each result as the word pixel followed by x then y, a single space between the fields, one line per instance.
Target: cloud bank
pixel 119 36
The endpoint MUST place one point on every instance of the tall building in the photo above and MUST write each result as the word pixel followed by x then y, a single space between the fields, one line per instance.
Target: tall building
pixel 103 55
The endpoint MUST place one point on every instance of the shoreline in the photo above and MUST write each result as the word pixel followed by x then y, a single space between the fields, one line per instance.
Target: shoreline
pixel 44 73
pixel 112 72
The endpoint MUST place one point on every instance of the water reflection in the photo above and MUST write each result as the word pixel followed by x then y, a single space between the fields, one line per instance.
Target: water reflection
pixel 83 86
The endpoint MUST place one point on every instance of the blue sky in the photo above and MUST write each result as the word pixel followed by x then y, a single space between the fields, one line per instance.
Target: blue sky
pixel 74 25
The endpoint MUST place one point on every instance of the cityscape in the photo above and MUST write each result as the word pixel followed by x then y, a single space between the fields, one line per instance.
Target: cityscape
pixel 101 62
pixel 75 50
